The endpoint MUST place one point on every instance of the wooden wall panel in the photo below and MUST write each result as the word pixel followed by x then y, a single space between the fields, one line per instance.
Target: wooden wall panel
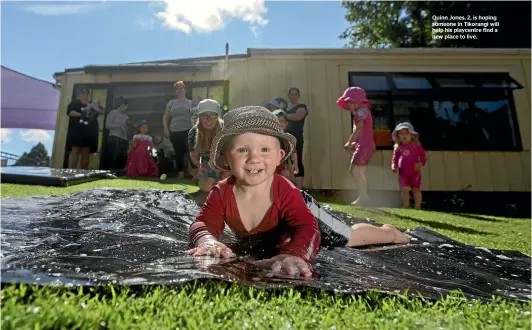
pixel 514 171
pixel 320 149
pixel 237 84
pixel 436 167
pixel 525 161
pixel 498 174
pixel 451 167
pixel 467 170
pixel 340 159
pixel 277 77
pixel 389 179
pixel 483 172
pixel 257 75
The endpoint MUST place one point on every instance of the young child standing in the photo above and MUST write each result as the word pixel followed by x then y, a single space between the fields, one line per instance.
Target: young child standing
pixel 264 209
pixel 140 161
pixel 361 140
pixel 282 169
pixel 408 159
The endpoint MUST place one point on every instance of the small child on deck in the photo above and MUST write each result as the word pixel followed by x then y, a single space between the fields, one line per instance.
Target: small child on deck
pixel 263 208
pixel 140 161
pixel 408 159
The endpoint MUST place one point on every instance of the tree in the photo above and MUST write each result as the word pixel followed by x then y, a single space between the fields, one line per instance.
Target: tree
pixel 394 24
pixel 38 156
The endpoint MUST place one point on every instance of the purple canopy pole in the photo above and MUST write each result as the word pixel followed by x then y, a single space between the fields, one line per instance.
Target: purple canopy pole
pixel 28 102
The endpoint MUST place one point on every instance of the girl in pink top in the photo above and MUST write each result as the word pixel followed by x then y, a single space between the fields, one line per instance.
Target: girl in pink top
pixel 408 159
pixel 361 141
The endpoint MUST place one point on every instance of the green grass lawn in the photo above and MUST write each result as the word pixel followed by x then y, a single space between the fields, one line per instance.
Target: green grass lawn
pixel 215 305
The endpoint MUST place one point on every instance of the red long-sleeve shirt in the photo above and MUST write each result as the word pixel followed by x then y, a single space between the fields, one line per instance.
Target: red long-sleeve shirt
pixel 288 211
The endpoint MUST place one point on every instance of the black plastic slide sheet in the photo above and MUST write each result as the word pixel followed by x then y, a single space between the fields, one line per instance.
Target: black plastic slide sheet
pixel 46 176
pixel 127 237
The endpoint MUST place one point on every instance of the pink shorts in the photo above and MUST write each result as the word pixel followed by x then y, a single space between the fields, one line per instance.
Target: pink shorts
pixel 362 155
pixel 410 180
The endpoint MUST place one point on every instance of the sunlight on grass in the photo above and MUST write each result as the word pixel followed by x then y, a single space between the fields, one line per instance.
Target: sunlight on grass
pixel 216 305
pixel 16 190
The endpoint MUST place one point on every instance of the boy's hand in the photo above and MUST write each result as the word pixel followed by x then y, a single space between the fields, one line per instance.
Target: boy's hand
pixel 418 167
pixel 291 265
pixel 394 169
pixel 211 248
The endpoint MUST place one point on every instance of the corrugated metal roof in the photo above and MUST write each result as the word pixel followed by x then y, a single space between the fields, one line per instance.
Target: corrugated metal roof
pixel 199 62
pixel 385 51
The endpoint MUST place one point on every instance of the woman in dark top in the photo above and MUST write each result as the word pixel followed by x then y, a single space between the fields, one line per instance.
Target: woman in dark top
pixel 296 113
pixel 83 129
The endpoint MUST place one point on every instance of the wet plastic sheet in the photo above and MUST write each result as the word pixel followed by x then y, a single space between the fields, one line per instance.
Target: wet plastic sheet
pixel 46 176
pixel 128 237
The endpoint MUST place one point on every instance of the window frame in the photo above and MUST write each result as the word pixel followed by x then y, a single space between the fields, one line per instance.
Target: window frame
pixel 454 92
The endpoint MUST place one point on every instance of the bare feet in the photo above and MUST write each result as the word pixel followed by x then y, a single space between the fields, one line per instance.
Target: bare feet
pixel 360 201
pixel 400 238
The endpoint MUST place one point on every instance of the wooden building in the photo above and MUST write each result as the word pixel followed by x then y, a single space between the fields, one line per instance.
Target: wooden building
pixel 471 106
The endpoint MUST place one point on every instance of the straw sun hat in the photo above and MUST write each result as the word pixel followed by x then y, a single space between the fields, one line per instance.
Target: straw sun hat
pixel 250 119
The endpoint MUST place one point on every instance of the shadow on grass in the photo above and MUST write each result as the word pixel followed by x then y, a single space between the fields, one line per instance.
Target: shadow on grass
pixel 478 217
pixel 430 223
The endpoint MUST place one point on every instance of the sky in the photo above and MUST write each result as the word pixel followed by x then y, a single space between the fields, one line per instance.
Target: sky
pixel 42 37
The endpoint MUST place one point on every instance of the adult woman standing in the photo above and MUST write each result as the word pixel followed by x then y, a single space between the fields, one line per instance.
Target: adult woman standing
pixel 296 114
pixel 117 143
pixel 176 124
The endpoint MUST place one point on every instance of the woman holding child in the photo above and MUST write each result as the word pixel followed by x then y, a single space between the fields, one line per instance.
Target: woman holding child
pixel 296 114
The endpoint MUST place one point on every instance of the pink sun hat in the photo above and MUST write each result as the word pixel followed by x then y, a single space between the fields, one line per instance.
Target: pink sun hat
pixel 353 94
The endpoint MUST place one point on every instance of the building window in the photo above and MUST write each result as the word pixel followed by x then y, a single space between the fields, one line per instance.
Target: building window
pixel 370 82
pixel 406 82
pixel 451 111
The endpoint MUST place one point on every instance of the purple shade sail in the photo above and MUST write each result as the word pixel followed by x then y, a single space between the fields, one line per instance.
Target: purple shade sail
pixel 28 102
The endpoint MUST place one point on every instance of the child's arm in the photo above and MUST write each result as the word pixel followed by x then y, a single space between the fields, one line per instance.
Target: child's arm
pixel 358 126
pixel 422 158
pixel 395 158
pixel 304 232
pixel 194 154
pixel 422 154
pixel 209 223
pixel 132 145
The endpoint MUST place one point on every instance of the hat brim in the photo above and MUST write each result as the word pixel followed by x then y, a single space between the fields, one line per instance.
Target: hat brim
pixel 342 102
pixel 397 129
pixel 288 144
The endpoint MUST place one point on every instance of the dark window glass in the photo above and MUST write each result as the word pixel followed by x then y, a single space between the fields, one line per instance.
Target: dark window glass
pixel 370 82
pixel 498 83
pixel 146 102
pixel 454 82
pixel 412 83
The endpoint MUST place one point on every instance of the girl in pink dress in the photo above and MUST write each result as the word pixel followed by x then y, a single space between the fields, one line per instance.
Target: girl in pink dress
pixel 361 141
pixel 140 161
pixel 408 159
